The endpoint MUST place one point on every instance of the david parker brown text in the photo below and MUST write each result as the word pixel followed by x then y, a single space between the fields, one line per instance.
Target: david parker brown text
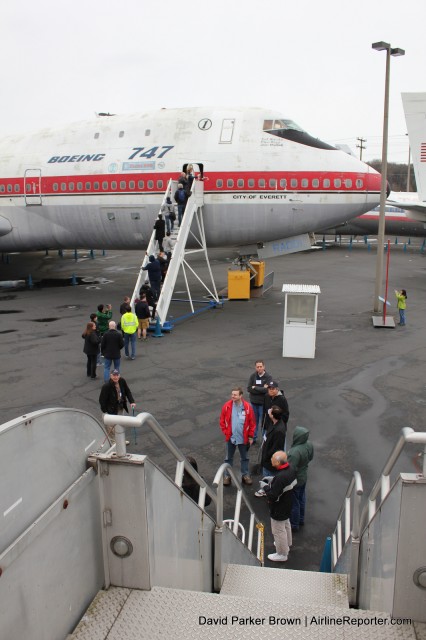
pixel 307 621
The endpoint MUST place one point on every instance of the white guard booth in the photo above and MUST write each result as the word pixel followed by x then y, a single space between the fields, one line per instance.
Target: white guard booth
pixel 300 320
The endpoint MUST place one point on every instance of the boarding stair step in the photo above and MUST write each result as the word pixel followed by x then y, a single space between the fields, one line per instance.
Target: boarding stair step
pixel 289 586
pixel 174 613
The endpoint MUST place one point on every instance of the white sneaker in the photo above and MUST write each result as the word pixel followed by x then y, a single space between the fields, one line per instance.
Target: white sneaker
pixel 260 493
pixel 276 557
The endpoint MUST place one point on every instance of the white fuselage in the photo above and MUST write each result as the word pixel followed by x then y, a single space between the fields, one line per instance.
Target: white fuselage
pixel 100 184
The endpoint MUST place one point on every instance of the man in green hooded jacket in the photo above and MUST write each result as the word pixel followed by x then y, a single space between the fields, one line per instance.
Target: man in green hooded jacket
pixel 299 456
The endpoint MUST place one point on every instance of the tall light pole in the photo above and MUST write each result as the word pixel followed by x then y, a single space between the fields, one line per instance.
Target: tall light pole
pixel 383 46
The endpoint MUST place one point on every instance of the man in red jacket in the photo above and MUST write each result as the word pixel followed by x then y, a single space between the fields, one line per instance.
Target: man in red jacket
pixel 238 423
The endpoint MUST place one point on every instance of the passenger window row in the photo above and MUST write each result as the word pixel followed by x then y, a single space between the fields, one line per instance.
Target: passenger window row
pixel 293 183
pixel 240 183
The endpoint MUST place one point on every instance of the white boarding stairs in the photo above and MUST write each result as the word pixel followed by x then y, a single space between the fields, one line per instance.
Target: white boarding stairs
pixel 193 212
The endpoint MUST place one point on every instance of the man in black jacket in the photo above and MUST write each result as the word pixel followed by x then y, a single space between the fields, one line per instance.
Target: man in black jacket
pixel 275 396
pixel 111 345
pixel 279 496
pixel 114 395
pixel 257 388
pixel 160 231
pixel 273 440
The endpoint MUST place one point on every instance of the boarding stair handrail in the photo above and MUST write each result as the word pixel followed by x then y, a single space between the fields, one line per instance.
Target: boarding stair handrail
pixel 145 419
pixel 151 248
pixel 361 519
pixel 352 524
pixel 194 202
pixel 220 522
pixel 382 486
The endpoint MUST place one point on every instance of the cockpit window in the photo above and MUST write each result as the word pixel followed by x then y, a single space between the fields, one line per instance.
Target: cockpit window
pixel 289 130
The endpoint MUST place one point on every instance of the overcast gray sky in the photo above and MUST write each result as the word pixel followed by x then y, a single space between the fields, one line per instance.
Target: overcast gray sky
pixel 312 61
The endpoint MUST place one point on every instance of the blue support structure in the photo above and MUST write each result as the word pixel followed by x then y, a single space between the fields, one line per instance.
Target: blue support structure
pixel 157 332
pixel 75 255
pixel 73 279
pixel 92 254
pixel 30 282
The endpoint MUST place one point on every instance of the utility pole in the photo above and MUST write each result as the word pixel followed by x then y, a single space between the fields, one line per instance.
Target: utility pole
pixel 360 146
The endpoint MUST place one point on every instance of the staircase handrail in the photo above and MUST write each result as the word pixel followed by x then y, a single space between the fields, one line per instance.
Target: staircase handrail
pixel 182 464
pixel 143 275
pixel 218 483
pixel 352 524
pixel 382 486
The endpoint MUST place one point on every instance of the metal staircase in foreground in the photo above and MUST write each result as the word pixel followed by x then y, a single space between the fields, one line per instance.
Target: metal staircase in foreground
pixel 100 543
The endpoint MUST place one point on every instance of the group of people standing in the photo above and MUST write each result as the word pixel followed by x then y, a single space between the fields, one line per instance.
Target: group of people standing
pixel 285 474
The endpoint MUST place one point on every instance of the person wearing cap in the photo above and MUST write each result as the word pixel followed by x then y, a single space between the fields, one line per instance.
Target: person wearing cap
pixel 273 440
pixel 111 345
pixel 275 396
pixel 114 395
pixel 257 388
pixel 237 422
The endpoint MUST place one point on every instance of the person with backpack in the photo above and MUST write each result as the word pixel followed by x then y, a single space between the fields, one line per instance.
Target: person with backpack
pixel 181 198
pixel 169 214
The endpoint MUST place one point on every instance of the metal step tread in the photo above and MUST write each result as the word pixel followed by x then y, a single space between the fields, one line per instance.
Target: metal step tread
pixel 279 585
pixel 175 613
pixel 101 614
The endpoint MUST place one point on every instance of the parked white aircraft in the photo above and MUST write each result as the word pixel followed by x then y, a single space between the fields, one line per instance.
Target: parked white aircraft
pixel 397 223
pixel 415 117
pixel 99 184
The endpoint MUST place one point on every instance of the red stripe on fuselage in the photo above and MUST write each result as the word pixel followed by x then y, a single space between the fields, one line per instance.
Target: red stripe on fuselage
pixel 104 183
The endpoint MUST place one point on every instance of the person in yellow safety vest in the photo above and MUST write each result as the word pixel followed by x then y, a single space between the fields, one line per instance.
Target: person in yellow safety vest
pixel 129 327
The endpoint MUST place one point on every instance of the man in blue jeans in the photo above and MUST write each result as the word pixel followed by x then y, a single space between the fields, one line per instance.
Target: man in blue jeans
pixel 111 345
pixel 257 388
pixel 237 423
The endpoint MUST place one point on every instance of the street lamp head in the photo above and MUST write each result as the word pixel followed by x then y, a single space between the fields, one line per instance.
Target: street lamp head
pixel 397 52
pixel 380 46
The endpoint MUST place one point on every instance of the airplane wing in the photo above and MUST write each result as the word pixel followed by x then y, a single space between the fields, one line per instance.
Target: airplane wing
pixel 417 209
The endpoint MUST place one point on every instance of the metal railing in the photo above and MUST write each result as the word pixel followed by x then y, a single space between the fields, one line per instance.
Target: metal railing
pixel 352 524
pixel 143 275
pixel 182 464
pixel 357 521
pixel 220 523
pixel 147 420
pixel 351 518
pixel 382 486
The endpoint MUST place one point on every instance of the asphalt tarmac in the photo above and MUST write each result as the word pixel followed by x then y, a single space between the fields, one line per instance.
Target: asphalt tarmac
pixel 363 386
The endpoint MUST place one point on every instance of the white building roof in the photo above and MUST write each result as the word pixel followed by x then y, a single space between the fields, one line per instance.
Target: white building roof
pixel 301 288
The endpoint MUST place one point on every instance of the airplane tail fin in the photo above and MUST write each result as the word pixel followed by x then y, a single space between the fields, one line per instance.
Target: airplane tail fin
pixel 415 117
